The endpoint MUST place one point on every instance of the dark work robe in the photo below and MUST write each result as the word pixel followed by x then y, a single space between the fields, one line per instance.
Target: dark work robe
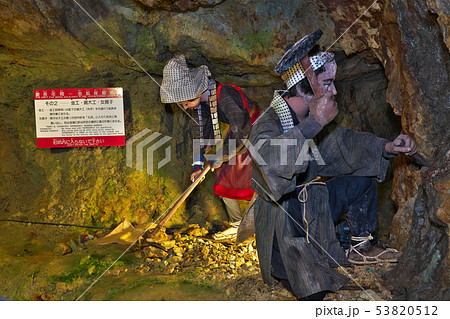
pixel 309 266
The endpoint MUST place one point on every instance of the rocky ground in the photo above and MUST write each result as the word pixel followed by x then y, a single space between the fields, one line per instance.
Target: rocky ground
pixel 235 268
pixel 181 264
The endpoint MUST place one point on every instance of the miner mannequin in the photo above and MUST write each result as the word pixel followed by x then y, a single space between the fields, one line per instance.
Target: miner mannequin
pixel 216 105
pixel 300 199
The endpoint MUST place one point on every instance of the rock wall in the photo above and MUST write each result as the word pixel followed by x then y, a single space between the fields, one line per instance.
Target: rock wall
pixel 410 38
pixel 393 66
pixel 69 44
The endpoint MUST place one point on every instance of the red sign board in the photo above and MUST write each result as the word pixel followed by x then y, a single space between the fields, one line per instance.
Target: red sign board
pixel 79 117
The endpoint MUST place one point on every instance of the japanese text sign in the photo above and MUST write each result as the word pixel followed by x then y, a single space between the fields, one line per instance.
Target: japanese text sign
pixel 79 117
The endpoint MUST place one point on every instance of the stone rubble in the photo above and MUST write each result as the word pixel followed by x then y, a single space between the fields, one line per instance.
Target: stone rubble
pixel 188 248
pixel 236 267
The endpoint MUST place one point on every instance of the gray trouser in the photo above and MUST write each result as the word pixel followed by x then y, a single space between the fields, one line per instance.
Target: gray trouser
pixel 233 211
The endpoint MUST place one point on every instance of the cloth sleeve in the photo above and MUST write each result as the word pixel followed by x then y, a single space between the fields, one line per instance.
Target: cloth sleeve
pixel 349 152
pixel 310 127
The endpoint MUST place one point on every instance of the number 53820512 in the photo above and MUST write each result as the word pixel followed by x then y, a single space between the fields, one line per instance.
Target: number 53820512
pixel 406 310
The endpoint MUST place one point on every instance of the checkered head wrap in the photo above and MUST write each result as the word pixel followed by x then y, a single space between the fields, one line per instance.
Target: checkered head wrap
pixel 181 83
pixel 296 73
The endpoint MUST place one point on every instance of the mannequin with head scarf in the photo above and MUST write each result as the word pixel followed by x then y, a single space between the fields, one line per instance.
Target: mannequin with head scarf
pixel 215 106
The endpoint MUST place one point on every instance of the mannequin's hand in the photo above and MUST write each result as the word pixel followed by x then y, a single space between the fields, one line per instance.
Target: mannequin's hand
pixel 402 144
pixel 195 174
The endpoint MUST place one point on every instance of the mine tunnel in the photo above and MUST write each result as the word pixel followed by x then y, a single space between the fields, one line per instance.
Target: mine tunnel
pixel 72 215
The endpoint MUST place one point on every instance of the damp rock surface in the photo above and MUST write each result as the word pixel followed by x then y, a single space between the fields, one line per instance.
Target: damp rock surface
pixel 393 77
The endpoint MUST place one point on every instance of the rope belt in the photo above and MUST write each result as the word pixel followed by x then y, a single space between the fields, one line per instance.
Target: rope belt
pixel 303 198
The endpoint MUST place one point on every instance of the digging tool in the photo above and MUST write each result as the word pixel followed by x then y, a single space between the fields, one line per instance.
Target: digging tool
pixel 181 200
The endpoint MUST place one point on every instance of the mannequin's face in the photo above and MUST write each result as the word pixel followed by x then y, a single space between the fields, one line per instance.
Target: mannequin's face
pixel 300 104
pixel 194 103
pixel 326 79
pixel 191 104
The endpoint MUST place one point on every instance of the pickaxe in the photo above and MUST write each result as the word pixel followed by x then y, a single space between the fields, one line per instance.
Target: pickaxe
pixel 180 200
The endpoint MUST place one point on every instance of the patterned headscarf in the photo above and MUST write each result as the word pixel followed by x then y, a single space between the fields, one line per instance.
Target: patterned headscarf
pixel 291 71
pixel 296 73
pixel 181 83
